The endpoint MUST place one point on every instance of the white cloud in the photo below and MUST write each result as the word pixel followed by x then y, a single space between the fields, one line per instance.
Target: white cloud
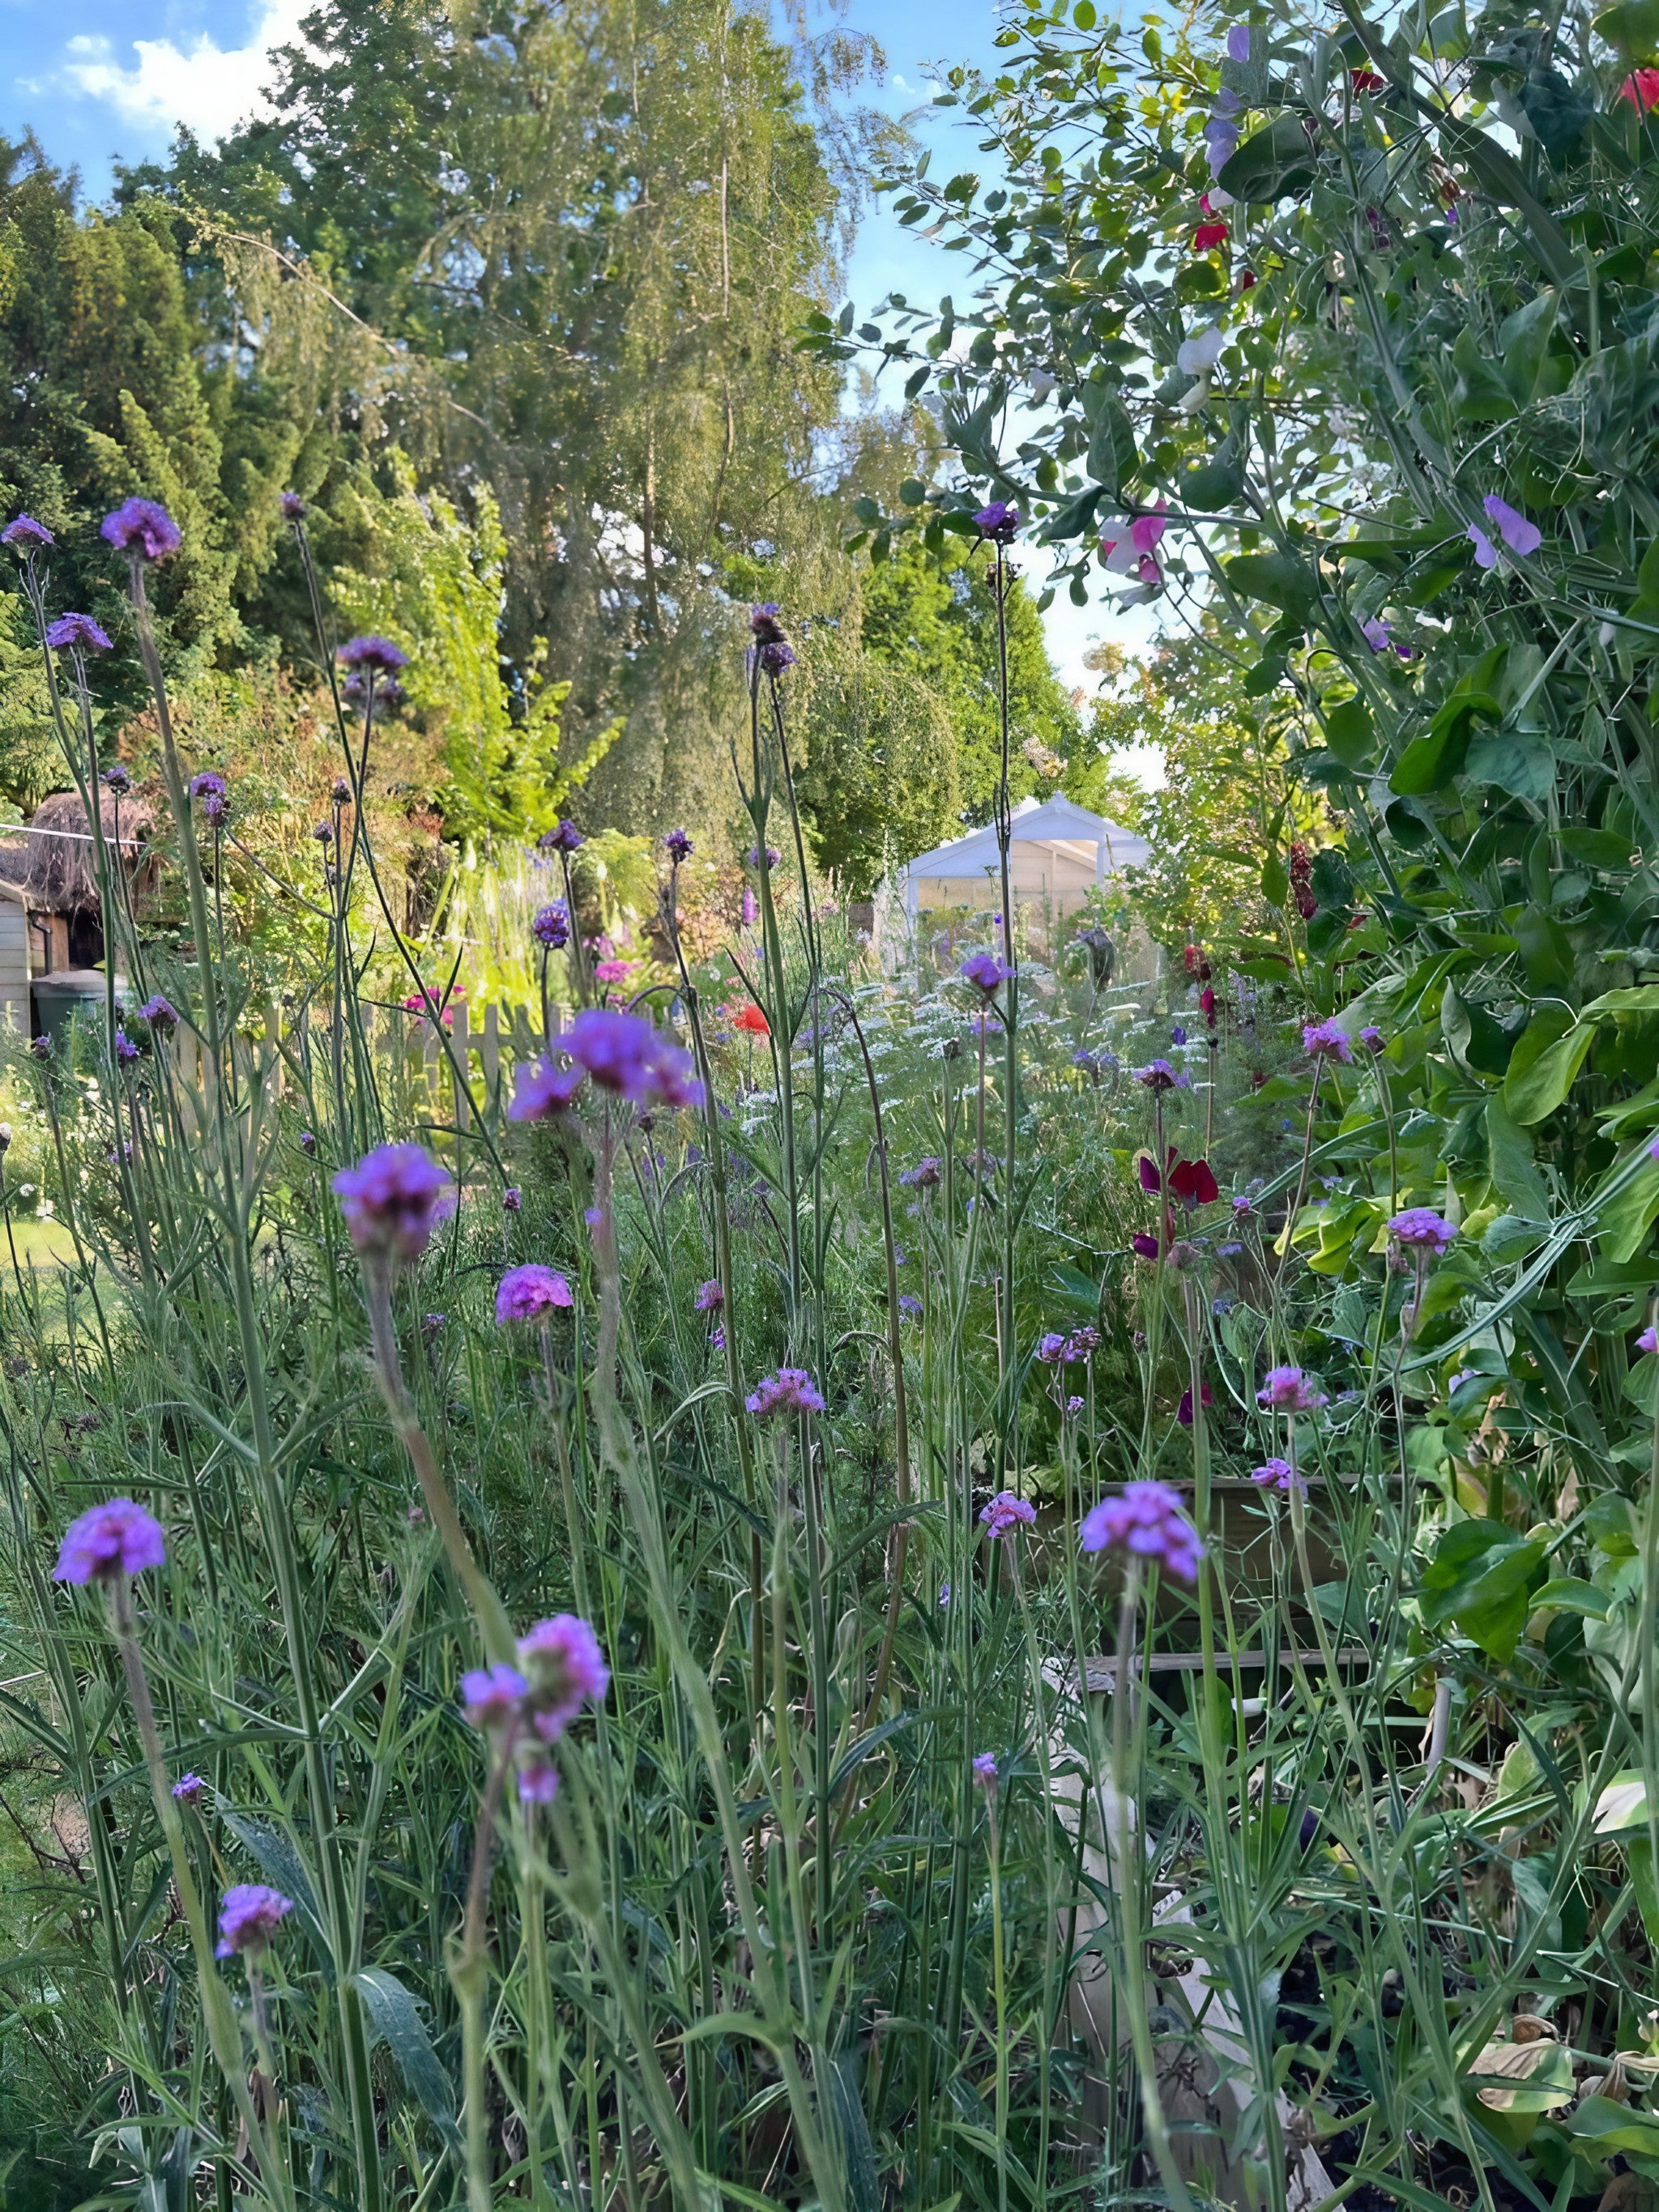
pixel 208 88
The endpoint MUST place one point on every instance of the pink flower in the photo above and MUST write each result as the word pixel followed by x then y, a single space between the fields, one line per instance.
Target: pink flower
pixel 612 971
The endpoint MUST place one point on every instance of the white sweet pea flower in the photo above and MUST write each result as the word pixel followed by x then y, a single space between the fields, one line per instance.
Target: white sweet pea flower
pixel 1199 356
pixel 1042 384
pixel 1195 397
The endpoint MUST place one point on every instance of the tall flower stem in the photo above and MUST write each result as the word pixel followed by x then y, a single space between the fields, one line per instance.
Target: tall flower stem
pixel 469 1967
pixel 345 1927
pixel 224 2037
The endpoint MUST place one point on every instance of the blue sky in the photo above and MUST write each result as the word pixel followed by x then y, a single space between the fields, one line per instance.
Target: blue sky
pixel 101 79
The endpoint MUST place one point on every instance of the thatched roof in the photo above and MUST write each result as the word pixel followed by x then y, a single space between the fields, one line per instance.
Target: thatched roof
pixel 52 863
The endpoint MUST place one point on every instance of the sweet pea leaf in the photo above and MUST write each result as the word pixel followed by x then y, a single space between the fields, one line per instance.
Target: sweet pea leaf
pixel 1114 457
pixel 1525 769
pixel 1623 1222
pixel 1479 1579
pixel 1536 1084
pixel 1270 163
pixel 1350 732
pixel 1279 578
pixel 1509 1153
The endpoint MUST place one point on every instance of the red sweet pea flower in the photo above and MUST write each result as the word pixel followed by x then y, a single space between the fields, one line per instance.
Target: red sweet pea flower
pixel 1208 234
pixel 1641 89
pixel 1149 1178
pixel 1193 1183
pixel 1184 1411
pixel 1207 1004
pixel 750 1019
pixel 1366 80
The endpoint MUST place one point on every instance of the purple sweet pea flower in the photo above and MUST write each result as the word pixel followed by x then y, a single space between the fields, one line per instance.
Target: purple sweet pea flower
pixel 393 1199
pixel 531 1293
pixel 1649 1340
pixel 1239 42
pixel 1523 538
pixel 140 527
pixel 116 1538
pixel 1147 1521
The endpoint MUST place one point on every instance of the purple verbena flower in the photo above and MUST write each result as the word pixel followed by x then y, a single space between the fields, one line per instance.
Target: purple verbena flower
pixel 117 779
pixel 1287 1390
pixel 717 1339
pixel 126 1051
pixel 551 926
pixel 1421 1228
pixel 373 656
pixel 512 1200
pixel 1274 1474
pixel 985 1773
pixel 115 1538
pixel 293 507
pixel 679 845
pixel 777 657
pixel 1326 1040
pixel 1082 1342
pixel 1051 1348
pixel 492 1695
pixel 539 1778
pixel 565 837
pixel 1158 1075
pixel 710 1298
pixel 1007 1512
pixel 1147 1521
pixel 393 1199
pixel 1074 1404
pixel 909 1306
pixel 565 1667
pixel 249 1916
pixel 1372 1038
pixel 926 1174
pixel 542 1088
pixel 25 536
pixel 142 528
pixel 985 972
pixel 790 1390
pixel 624 1053
pixel 189 1789
pixel 764 626
pixel 308 1143
pixel 531 1293
pixel 77 633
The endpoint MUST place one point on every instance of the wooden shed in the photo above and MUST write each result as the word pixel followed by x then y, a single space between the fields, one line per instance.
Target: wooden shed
pixel 14 958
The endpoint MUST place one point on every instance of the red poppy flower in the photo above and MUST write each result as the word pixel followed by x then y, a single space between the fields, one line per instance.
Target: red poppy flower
pixel 1207 1004
pixel 1641 89
pixel 1208 234
pixel 1193 1183
pixel 750 1018
pixel 1366 80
